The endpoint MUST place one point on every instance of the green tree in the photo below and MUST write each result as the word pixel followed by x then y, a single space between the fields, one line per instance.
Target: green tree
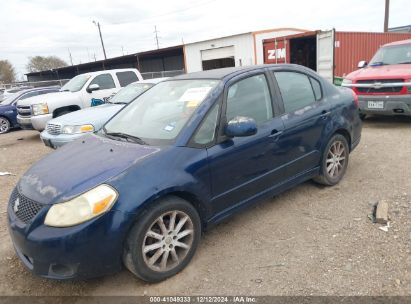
pixel 7 73
pixel 41 63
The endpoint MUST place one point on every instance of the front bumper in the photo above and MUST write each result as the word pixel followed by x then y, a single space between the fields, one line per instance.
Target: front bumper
pixel 24 122
pixel 39 122
pixel 88 250
pixel 392 104
pixel 57 141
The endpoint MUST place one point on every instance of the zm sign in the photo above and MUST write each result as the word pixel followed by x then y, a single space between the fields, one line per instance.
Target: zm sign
pixel 276 54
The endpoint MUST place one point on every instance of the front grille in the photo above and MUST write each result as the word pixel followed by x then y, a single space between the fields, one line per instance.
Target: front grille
pixel 24 111
pixel 381 90
pixel 26 208
pixel 53 129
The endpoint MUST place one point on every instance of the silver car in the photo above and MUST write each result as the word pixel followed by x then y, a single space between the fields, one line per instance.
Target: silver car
pixel 69 127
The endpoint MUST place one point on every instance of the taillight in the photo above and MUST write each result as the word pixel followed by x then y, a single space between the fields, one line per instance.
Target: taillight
pixel 357 103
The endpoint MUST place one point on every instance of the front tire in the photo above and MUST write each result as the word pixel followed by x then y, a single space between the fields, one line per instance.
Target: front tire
pixel 4 125
pixel 334 161
pixel 163 240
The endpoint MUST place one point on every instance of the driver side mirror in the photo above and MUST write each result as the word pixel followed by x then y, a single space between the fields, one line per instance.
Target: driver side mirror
pixel 93 87
pixel 362 64
pixel 241 126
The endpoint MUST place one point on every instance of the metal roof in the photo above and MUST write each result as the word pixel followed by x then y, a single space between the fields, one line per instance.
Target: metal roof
pixel 110 60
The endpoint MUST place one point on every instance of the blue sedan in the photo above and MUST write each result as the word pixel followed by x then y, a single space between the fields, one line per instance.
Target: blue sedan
pixel 8 109
pixel 192 151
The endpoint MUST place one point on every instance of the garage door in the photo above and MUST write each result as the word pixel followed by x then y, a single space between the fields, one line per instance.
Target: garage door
pixel 217 53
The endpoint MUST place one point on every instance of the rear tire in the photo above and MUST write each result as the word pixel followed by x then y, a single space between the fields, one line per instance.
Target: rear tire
pixel 163 239
pixel 4 125
pixel 334 161
pixel 363 116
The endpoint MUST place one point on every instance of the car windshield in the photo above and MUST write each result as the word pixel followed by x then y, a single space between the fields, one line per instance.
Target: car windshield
pixel 9 99
pixel 399 54
pixel 76 83
pixel 130 92
pixel 158 116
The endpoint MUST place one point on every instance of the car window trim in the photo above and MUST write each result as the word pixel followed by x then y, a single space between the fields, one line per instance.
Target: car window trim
pixel 279 69
pixel 229 83
pixel 192 143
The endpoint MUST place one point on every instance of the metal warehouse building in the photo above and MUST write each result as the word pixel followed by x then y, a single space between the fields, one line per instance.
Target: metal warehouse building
pixel 156 63
pixel 331 53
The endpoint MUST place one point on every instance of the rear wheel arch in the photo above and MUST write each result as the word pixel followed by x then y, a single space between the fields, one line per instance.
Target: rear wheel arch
pixel 346 134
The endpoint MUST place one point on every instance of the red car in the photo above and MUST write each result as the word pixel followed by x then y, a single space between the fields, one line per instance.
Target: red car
pixel 384 85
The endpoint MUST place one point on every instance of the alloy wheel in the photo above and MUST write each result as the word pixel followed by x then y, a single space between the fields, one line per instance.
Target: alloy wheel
pixel 336 159
pixel 4 125
pixel 168 240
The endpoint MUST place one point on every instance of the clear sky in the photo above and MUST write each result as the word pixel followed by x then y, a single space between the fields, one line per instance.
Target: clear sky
pixel 52 27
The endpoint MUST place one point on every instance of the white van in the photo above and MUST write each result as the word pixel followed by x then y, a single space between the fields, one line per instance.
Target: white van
pixel 82 91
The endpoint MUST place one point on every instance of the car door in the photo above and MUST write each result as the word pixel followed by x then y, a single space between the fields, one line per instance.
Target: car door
pixel 306 113
pixel 243 167
pixel 107 87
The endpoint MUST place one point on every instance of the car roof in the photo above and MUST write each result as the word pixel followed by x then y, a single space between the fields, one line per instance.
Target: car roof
pixel 109 71
pixel 408 41
pixel 37 89
pixel 225 72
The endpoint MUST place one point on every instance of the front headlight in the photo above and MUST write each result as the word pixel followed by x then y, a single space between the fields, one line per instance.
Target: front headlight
pixel 40 109
pixel 82 208
pixel 77 129
pixel 346 81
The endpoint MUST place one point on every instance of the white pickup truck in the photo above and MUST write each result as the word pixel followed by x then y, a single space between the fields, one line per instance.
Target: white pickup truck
pixel 82 91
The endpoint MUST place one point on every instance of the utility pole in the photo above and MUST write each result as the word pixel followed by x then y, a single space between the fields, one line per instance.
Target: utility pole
pixel 387 15
pixel 122 50
pixel 71 58
pixel 101 38
pixel 155 31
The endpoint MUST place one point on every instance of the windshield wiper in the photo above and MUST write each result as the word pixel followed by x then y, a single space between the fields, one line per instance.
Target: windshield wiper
pixel 405 62
pixel 127 137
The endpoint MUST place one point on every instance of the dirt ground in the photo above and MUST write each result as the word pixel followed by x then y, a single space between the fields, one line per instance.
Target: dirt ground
pixel 310 240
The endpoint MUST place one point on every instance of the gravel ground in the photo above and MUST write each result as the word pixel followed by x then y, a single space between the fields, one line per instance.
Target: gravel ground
pixel 310 240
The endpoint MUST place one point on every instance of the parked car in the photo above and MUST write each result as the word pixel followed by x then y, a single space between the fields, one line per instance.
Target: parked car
pixel 185 155
pixel 69 127
pixel 8 110
pixel 82 91
pixel 383 86
pixel 7 92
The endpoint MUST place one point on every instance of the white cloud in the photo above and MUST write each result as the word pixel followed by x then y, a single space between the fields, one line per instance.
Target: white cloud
pixel 47 27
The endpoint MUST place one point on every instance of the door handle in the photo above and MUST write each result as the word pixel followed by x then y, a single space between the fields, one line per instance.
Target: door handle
pixel 324 114
pixel 275 133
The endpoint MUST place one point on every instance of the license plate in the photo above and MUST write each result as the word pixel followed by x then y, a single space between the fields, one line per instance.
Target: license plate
pixel 376 104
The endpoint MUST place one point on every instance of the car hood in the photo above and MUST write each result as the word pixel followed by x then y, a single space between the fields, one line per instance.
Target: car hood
pixel 80 166
pixel 50 97
pixel 96 116
pixel 394 71
pixel 4 108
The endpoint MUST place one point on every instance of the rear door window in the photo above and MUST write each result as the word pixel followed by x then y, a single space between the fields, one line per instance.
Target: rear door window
pixel 296 90
pixel 125 78
pixel 105 81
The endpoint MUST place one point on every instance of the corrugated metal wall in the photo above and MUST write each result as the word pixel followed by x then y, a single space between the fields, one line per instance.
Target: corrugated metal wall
pixel 351 47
